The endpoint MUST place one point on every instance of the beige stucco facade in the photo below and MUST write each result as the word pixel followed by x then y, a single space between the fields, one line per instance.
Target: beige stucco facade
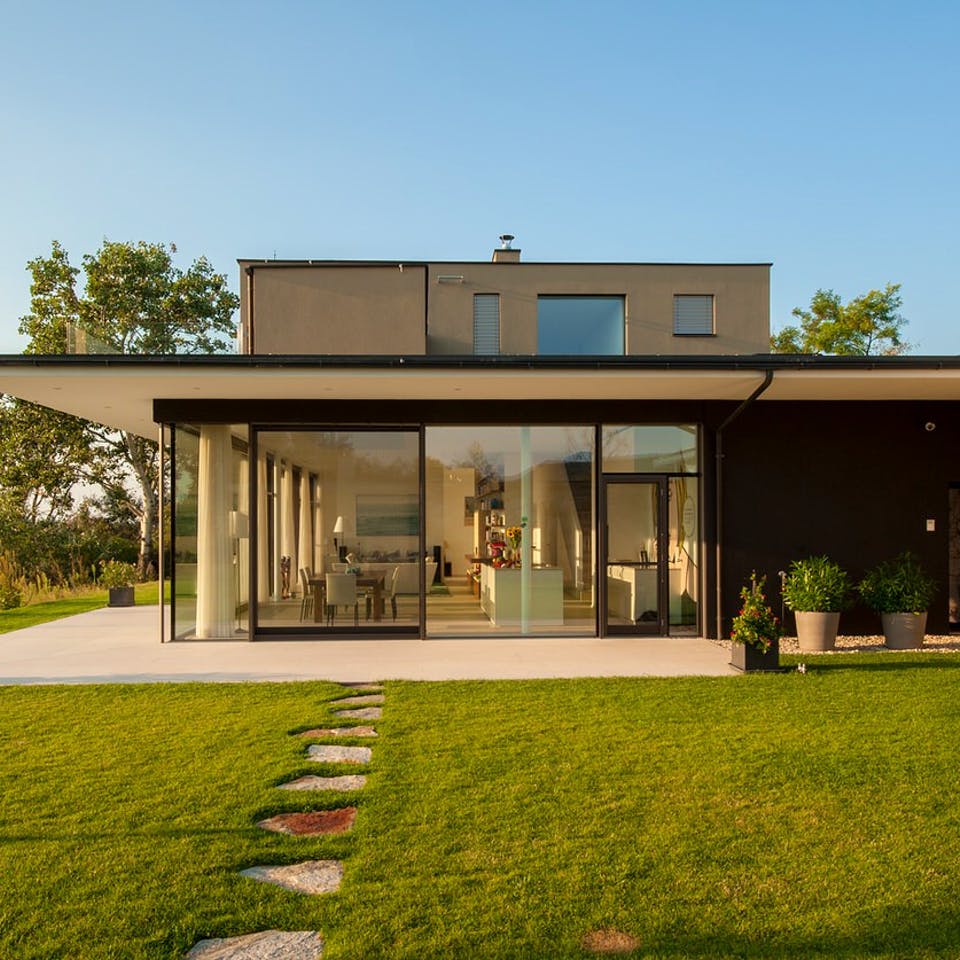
pixel 390 309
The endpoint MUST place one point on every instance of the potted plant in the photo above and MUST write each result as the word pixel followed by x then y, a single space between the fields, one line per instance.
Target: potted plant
pixel 816 590
pixel 756 631
pixel 900 590
pixel 119 578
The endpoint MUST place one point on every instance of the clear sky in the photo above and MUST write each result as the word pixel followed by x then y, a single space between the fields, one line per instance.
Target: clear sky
pixel 821 136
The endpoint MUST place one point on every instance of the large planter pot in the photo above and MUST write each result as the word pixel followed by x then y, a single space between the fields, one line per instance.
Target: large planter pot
pixel 817 630
pixel 904 631
pixel 750 659
pixel 120 597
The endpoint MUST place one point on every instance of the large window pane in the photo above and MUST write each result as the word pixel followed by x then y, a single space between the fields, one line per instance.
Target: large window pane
pixel 210 532
pixel 511 509
pixel 653 448
pixel 578 326
pixel 338 511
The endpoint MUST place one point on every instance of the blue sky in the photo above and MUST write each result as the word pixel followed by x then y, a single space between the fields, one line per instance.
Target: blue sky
pixel 820 136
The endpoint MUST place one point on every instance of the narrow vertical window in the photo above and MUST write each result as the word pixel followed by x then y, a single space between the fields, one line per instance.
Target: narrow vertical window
pixel 486 324
pixel 693 314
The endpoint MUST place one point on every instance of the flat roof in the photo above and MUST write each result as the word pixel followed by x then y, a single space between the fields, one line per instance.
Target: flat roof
pixel 119 390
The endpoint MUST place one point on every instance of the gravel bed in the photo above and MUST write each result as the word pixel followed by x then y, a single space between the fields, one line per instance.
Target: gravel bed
pixel 948 643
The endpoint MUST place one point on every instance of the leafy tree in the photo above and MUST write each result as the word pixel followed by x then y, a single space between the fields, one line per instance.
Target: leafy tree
pixel 134 300
pixel 869 325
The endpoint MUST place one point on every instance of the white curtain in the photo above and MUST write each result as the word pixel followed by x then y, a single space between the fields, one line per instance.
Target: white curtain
pixel 305 540
pixel 319 564
pixel 263 545
pixel 216 576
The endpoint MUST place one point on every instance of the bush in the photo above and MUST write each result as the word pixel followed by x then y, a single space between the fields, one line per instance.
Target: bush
pixel 755 625
pixel 817 584
pixel 899 585
pixel 11 595
pixel 117 573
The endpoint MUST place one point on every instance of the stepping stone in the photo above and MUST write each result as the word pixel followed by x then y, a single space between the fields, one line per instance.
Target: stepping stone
pixel 334 753
pixel 338 732
pixel 311 876
pixel 609 941
pixel 269 945
pixel 315 824
pixel 364 713
pixel 368 698
pixel 352 782
pixel 364 687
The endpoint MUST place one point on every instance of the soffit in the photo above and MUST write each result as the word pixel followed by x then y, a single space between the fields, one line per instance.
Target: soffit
pixel 121 395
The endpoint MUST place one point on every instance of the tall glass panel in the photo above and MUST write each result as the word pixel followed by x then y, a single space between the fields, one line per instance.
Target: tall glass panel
pixel 211 556
pixel 633 555
pixel 338 529
pixel 683 545
pixel 510 512
pixel 650 448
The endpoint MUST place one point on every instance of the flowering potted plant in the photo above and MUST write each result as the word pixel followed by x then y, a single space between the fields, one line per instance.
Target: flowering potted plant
pixel 900 590
pixel 816 590
pixel 756 631
pixel 513 535
pixel 119 577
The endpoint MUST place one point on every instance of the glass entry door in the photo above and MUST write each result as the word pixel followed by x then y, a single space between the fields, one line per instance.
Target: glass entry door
pixel 635 548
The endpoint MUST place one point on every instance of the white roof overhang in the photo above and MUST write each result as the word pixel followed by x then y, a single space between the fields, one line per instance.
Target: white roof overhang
pixel 119 391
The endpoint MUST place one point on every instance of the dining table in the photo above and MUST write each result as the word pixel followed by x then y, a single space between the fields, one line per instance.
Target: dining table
pixel 373 582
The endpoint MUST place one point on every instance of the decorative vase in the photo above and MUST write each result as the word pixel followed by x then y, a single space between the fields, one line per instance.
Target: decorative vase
pixel 904 631
pixel 750 659
pixel 817 630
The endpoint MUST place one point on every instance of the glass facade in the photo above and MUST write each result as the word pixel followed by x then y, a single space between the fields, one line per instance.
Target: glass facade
pixel 489 531
pixel 510 512
pixel 211 537
pixel 338 521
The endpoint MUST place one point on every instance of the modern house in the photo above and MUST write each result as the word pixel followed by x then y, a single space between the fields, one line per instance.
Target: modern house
pixel 511 448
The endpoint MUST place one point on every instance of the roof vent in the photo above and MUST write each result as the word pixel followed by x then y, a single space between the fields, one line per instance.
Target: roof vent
pixel 505 252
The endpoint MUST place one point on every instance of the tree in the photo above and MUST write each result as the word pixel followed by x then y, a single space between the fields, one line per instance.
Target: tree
pixel 869 325
pixel 134 300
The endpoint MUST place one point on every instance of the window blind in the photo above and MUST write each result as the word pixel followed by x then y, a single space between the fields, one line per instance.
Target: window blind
pixel 693 314
pixel 486 323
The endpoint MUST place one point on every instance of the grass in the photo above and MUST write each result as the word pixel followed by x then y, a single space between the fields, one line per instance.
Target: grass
pixel 762 816
pixel 80 602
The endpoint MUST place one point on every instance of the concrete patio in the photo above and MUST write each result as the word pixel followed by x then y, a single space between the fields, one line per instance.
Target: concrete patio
pixel 121 645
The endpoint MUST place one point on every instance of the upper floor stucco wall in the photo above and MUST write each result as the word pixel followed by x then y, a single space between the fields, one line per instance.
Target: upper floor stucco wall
pixel 393 309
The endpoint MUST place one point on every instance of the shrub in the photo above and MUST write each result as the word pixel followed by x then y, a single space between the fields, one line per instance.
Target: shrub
pixel 756 625
pixel 899 585
pixel 817 584
pixel 11 594
pixel 117 573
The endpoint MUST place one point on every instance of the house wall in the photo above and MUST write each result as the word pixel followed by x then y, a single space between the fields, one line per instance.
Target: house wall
pixel 394 309
pixel 857 481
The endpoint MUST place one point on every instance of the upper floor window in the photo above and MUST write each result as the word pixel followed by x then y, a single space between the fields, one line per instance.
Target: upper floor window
pixel 486 323
pixel 693 314
pixel 580 326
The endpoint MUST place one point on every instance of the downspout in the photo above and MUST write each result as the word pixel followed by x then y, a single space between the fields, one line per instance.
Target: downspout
pixel 767 380
pixel 249 344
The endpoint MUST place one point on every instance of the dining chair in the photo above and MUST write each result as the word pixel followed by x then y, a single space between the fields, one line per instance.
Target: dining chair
pixel 342 592
pixel 306 601
pixel 392 591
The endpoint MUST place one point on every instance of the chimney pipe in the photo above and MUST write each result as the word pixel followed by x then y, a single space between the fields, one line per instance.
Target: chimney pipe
pixel 505 252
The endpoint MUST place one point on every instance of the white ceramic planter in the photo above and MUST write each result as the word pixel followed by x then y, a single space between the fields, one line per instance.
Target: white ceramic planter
pixel 817 630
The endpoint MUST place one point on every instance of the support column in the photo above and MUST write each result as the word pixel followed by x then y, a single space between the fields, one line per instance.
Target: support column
pixel 216 589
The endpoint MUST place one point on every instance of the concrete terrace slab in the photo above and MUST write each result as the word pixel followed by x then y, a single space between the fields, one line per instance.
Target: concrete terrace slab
pixel 121 645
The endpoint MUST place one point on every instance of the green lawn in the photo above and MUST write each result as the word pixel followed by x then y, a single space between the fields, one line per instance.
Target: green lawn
pixel 761 816
pixel 34 613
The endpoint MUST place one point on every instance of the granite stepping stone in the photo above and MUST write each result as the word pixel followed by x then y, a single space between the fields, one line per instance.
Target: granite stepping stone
pixel 268 945
pixel 317 823
pixel 311 876
pixel 351 782
pixel 334 753
pixel 364 713
pixel 363 687
pixel 338 732
pixel 366 699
